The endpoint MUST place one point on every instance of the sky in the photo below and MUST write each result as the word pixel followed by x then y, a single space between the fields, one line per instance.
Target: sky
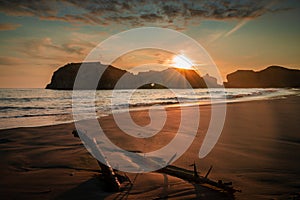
pixel 38 37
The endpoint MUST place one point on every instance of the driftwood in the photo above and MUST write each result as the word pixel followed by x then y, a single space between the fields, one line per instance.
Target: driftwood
pixel 192 176
pixel 112 179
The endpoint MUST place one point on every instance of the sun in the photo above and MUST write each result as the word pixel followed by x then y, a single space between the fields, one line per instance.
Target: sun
pixel 182 62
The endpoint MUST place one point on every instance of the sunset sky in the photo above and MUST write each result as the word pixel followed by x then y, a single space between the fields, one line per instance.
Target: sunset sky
pixel 37 37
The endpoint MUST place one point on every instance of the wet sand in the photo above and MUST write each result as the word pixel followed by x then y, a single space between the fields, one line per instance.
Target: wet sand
pixel 258 151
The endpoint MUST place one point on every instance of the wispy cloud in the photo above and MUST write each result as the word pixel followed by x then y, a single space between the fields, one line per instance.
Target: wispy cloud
pixel 237 27
pixel 8 60
pixel 8 26
pixel 45 50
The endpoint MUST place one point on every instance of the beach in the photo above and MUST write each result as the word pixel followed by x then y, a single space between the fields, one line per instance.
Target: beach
pixel 258 151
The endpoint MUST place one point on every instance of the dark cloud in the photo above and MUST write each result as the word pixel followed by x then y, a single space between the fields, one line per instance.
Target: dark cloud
pixel 138 12
pixel 152 17
pixel 83 18
pixel 28 7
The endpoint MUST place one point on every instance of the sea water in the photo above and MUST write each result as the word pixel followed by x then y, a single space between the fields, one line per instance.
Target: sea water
pixel 39 107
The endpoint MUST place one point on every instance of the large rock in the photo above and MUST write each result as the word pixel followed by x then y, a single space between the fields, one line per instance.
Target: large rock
pixel 271 77
pixel 64 77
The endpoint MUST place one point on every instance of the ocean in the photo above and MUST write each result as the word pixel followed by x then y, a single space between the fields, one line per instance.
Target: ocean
pixel 40 107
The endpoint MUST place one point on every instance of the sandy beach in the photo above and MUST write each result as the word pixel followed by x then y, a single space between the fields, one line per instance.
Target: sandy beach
pixel 258 151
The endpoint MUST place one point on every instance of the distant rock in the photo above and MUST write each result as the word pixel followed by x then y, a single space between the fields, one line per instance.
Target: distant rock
pixel 271 77
pixel 64 78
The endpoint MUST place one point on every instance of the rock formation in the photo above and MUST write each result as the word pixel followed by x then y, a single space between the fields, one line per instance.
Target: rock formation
pixel 271 77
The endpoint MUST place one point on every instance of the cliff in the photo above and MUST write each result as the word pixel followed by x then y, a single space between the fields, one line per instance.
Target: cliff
pixel 65 76
pixel 271 77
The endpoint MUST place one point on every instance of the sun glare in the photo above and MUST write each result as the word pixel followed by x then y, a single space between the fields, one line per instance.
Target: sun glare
pixel 182 62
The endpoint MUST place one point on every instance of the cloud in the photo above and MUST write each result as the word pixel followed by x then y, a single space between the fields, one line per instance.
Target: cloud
pixel 237 27
pixel 28 7
pixel 8 60
pixel 84 19
pixel 8 26
pixel 46 50
pixel 137 12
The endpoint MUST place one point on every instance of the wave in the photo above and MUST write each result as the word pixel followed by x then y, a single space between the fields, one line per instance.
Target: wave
pixel 26 99
pixel 136 105
pixel 30 99
pixel 3 108
pixel 180 99
pixel 261 93
pixel 34 115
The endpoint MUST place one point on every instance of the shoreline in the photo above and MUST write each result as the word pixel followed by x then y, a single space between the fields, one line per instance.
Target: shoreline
pixel 257 151
pixel 166 106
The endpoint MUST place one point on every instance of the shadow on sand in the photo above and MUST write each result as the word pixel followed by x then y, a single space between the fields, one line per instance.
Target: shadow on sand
pixel 94 188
